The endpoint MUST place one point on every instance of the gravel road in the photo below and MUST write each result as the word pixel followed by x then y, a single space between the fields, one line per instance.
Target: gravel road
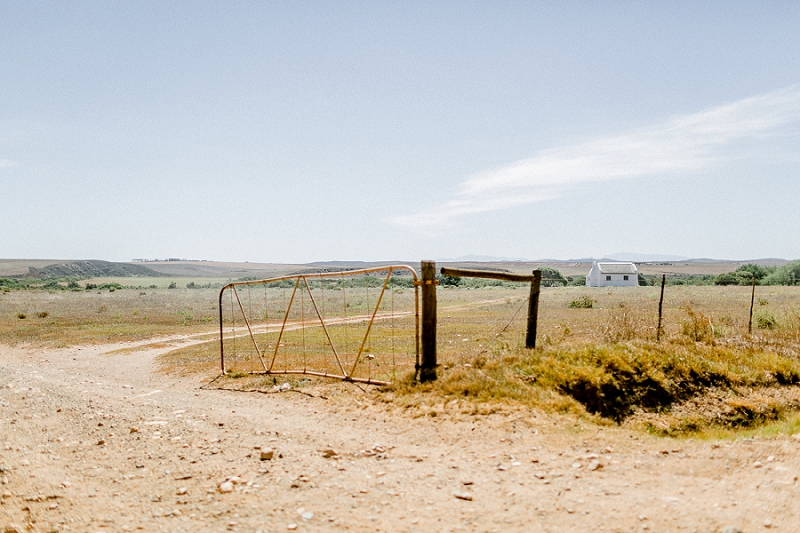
pixel 97 441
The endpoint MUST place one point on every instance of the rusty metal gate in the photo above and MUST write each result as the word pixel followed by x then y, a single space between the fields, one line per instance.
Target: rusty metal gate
pixel 357 325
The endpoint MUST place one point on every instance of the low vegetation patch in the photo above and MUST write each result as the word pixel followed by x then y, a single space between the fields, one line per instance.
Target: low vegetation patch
pixel 616 381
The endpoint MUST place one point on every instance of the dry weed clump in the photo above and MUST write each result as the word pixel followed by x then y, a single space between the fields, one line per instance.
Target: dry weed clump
pixel 697 326
pixel 623 324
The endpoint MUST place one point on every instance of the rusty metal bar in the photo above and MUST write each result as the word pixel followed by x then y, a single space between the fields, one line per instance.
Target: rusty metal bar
pixel 221 337
pixel 249 329
pixel 322 322
pixel 367 381
pixel 283 326
pixel 371 321
pixel 390 269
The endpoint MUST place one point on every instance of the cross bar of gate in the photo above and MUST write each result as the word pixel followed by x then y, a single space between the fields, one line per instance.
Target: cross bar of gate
pixel 535 279
pixel 347 376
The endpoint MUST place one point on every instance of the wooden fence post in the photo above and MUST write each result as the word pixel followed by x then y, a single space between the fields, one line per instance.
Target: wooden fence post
pixel 660 307
pixel 533 309
pixel 427 370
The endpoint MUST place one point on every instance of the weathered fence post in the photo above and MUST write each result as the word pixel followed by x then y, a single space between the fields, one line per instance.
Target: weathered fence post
pixel 427 370
pixel 752 301
pixel 533 309
pixel 660 307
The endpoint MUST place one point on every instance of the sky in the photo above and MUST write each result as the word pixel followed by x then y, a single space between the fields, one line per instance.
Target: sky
pixel 383 130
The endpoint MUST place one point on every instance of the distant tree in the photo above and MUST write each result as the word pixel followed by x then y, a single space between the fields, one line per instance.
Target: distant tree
pixel 551 277
pixel 788 274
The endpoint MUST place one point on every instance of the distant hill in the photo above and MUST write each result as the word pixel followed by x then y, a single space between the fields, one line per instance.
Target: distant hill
pixel 92 269
pixel 642 258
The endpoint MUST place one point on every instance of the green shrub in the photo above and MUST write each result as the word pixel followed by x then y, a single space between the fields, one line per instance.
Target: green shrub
pixel 42 314
pixel 551 277
pixel 173 285
pixel 765 320
pixel 788 274
pixel 449 281
pixel 584 302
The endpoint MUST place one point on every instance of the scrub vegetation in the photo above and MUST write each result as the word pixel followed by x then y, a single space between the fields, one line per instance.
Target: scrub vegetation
pixel 596 354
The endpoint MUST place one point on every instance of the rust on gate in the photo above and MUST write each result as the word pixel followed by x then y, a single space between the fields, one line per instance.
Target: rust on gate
pixel 300 288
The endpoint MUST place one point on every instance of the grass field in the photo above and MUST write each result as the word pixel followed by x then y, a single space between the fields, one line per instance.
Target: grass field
pixel 706 374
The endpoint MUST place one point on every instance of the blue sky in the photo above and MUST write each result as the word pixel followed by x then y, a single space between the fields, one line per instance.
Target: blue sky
pixel 304 131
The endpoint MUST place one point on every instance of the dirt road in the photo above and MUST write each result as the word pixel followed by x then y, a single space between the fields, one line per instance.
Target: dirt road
pixel 91 441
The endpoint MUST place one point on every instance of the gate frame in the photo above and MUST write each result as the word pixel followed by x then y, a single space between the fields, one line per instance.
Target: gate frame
pixel 389 269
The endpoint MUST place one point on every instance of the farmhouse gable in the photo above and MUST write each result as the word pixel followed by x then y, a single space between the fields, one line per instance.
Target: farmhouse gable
pixel 612 274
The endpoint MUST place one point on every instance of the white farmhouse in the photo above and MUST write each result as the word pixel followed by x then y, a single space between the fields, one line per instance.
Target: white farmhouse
pixel 612 275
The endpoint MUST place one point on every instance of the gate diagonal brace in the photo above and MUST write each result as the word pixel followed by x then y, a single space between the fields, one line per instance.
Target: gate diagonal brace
pixel 297 279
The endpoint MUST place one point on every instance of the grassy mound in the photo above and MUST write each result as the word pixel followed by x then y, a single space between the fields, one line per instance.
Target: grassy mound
pixel 615 381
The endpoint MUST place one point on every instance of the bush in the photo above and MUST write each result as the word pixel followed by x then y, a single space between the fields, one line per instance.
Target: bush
pixel 449 281
pixel 788 274
pixel 173 285
pixel 551 277
pixel 765 320
pixel 42 314
pixel 584 302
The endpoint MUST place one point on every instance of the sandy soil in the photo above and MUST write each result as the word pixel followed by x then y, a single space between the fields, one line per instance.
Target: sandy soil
pixel 92 441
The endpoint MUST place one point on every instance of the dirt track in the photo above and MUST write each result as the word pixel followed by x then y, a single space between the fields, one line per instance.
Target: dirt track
pixel 91 441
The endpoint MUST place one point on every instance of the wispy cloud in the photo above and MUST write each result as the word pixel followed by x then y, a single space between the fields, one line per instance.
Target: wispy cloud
pixel 682 144
pixel 7 163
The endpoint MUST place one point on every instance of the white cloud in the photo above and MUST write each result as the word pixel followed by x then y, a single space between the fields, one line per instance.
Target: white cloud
pixel 7 163
pixel 682 144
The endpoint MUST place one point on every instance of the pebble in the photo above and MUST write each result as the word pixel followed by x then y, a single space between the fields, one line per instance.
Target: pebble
pixel 267 454
pixel 328 453
pixel 462 495
pixel 308 515
pixel 101 442
pixel 594 465
pixel 225 487
pixel 758 464
pixel 181 491
pixel 291 527
pixel 7 494
pixel 731 529
pixel 767 523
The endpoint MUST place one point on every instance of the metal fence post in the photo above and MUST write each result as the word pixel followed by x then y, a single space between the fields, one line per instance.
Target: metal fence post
pixel 660 307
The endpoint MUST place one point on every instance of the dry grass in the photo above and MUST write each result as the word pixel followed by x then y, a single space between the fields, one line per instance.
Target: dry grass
pixel 706 376
pixel 66 318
